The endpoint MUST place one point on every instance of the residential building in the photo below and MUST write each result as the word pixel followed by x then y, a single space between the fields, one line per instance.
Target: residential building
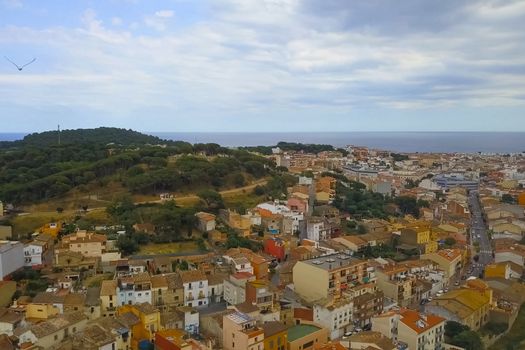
pixel 240 332
pixel 327 277
pixel 370 340
pixel 89 244
pixel 148 322
pixel 469 305
pixel 411 328
pixel 235 287
pixel 368 301
pixel 94 337
pixel 11 257
pixel 172 339
pixel 449 260
pixel 316 229
pixel 195 284
pixel 9 321
pixel 306 336
pixel 52 332
pixel 38 253
pixel 259 293
pixel 396 282
pixel 336 317
pixel 275 247
pixel 275 335
pixel 205 221
pixel 134 289
pixel 108 298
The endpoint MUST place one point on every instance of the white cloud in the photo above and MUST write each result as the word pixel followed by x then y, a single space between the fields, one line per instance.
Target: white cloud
pixel 116 21
pixel 164 13
pixel 254 56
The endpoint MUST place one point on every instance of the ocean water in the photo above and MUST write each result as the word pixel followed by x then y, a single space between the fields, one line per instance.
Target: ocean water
pixel 446 142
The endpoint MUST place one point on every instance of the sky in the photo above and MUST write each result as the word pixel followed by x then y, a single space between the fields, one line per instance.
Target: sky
pixel 263 65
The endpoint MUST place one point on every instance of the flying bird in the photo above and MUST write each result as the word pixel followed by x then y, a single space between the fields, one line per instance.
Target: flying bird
pixel 22 66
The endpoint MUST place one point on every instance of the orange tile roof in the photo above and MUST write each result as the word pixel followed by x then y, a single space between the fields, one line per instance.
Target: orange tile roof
pixel 416 322
pixel 449 254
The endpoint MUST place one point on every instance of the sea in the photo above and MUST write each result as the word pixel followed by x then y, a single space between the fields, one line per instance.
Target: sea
pixel 439 142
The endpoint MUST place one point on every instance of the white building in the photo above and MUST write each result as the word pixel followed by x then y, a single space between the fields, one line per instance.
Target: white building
pixel 134 289
pixel 315 229
pixel 11 257
pixel 195 284
pixel 336 317
pixel 412 328
pixel 34 254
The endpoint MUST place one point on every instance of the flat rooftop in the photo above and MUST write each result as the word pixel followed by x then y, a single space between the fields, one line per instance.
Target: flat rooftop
pixel 333 261
pixel 301 330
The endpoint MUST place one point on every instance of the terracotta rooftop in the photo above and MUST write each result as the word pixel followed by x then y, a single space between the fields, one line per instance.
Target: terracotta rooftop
pixel 192 276
pixel 418 322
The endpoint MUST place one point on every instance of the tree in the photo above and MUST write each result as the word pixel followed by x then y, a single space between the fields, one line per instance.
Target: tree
pixel 127 244
pixel 450 242
pixel 507 198
pixel 60 210
pixel 361 229
pixel 212 200
pixel 453 328
pixel 469 340
pixel 238 180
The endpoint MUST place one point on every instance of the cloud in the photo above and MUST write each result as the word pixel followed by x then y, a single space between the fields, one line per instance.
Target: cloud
pixel 159 20
pixel 164 13
pixel 280 58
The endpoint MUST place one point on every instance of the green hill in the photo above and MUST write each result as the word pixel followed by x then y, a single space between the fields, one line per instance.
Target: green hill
pixel 98 135
pixel 37 168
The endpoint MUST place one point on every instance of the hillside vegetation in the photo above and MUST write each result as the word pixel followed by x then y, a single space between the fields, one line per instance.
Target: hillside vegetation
pixel 37 168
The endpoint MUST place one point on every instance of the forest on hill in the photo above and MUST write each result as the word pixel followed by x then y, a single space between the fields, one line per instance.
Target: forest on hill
pixel 38 167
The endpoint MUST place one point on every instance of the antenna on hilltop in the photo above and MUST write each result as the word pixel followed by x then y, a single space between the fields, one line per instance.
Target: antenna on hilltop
pixel 59 134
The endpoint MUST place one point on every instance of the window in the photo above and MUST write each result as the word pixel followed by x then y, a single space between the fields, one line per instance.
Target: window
pixel 56 336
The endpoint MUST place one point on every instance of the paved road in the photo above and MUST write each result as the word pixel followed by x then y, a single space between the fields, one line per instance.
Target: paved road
pixel 479 234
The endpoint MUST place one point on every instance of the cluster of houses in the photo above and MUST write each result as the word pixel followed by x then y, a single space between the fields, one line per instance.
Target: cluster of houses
pixel 313 285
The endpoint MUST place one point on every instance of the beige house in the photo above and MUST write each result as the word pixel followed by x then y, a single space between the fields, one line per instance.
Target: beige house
pixel 328 276
pixel 449 260
pixel 52 332
pixel 240 332
pixel 306 336
pixel 89 244
pixel 396 283
pixel 108 298
pixel 370 340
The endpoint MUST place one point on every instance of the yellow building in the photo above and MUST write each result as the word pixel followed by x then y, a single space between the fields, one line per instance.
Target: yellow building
pixel 275 335
pixel 499 270
pixel 149 322
pixel 469 305
pixel 41 311
pixel 419 234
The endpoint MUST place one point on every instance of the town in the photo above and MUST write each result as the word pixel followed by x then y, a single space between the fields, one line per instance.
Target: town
pixel 326 249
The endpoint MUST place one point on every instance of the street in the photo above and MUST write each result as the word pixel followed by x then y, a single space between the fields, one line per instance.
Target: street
pixel 479 236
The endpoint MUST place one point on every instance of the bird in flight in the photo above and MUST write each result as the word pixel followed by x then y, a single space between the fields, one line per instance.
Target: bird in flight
pixel 22 66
